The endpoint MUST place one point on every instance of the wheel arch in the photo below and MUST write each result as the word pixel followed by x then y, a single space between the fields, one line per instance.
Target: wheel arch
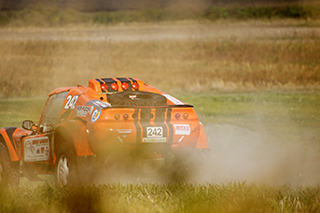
pixel 73 132
pixel 6 137
pixel 61 135
pixel 73 135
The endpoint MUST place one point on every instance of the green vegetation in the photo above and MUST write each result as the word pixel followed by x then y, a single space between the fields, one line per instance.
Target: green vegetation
pixel 39 15
pixel 244 13
pixel 172 197
pixel 292 116
pixel 13 112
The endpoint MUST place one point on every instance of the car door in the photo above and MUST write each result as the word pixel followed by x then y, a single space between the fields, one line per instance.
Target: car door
pixel 37 147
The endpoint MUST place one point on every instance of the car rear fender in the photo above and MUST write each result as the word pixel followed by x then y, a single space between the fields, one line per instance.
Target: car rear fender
pixel 73 131
pixel 202 142
pixel 6 137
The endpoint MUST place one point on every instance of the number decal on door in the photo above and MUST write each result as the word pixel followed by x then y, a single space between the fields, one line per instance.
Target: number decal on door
pixel 71 102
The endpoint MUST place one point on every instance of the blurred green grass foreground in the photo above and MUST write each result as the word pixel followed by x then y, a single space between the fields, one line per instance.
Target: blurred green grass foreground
pixel 173 197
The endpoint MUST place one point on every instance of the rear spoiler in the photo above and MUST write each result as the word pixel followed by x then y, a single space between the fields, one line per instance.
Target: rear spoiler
pixel 167 106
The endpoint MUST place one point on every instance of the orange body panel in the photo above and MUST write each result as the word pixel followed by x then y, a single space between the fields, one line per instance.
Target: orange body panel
pixel 12 140
pixel 202 142
pixel 79 137
pixel 108 128
pixel 11 147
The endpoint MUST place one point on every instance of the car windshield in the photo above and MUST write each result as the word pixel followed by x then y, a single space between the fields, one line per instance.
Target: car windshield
pixel 52 112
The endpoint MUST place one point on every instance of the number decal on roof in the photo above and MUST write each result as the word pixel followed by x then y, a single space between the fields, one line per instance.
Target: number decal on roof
pixel 71 102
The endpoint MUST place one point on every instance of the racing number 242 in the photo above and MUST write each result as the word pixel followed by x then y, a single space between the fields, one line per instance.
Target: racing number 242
pixel 154 131
pixel 71 102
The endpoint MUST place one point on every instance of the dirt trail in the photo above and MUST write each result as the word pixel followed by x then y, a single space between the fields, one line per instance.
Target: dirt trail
pixel 161 32
pixel 240 154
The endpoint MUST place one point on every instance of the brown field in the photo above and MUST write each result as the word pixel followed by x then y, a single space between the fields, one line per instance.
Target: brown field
pixel 183 58
pixel 265 138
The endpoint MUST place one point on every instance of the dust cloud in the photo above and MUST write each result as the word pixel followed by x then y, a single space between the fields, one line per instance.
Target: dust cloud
pixel 239 154
pixel 236 154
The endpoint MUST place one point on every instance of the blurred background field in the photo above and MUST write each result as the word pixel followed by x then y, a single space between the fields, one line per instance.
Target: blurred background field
pixel 68 12
pixel 265 84
pixel 34 68
pixel 261 74
pixel 250 46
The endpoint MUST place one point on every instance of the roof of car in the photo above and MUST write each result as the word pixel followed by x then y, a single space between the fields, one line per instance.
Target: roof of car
pixel 60 89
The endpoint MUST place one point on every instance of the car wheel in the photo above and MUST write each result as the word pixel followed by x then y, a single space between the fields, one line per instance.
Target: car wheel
pixel 9 170
pixel 66 171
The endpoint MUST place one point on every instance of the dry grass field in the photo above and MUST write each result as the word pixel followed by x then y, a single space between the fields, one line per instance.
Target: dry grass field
pixel 32 63
pixel 255 85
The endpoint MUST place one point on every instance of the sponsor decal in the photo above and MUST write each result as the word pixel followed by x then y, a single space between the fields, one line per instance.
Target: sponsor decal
pixel 95 115
pixel 173 99
pixel 154 140
pixel 124 131
pixel 83 111
pixel 182 129
pixel 36 149
pixel 132 97
pixel 102 104
pixel 71 102
pixel 98 104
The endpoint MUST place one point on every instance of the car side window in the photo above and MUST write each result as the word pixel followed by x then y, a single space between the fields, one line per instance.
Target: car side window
pixel 52 112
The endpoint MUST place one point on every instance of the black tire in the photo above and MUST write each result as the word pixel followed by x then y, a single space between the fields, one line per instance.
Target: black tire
pixel 9 170
pixel 137 98
pixel 66 171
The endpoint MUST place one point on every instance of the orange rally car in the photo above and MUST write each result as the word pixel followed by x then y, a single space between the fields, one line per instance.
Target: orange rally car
pixel 112 121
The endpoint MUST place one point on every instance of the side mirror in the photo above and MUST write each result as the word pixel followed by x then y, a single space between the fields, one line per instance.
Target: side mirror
pixel 27 124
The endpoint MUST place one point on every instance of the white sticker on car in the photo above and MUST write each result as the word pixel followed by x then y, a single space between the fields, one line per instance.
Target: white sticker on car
pixel 124 131
pixel 173 99
pixel 102 104
pixel 71 102
pixel 83 111
pixel 182 129
pixel 95 115
pixel 154 140
pixel 36 149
